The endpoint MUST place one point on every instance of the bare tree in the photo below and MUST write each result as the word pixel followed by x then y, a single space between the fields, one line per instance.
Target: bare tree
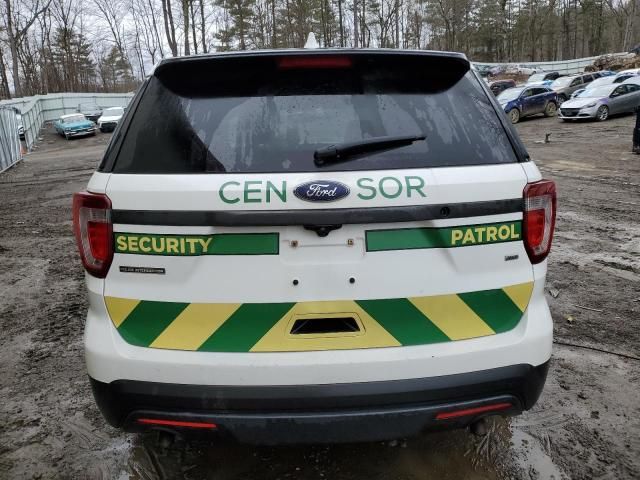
pixel 18 20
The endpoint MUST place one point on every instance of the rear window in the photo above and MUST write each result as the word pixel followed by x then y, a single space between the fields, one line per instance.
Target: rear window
pixel 261 114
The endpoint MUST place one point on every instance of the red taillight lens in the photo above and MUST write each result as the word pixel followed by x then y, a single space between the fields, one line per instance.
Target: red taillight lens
pixel 539 218
pixel 320 61
pixel 94 231
pixel 176 423
pixel 466 412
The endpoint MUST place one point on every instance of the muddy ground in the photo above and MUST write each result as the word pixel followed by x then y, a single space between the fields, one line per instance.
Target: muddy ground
pixel 586 425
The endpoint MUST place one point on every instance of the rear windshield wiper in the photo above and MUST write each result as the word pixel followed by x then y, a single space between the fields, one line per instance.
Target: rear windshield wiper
pixel 346 151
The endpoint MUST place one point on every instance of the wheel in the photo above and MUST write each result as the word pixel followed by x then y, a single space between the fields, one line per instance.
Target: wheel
pixel 561 99
pixel 603 113
pixel 514 115
pixel 550 110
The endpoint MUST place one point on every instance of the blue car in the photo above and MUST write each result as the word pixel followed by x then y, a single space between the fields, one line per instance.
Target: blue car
pixel 528 100
pixel 74 125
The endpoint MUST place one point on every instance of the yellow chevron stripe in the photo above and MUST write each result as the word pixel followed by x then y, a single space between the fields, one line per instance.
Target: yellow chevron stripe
pixel 520 294
pixel 194 325
pixel 452 316
pixel 279 339
pixel 119 308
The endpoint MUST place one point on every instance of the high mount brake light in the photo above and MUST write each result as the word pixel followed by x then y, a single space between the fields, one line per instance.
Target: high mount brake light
pixel 94 231
pixel 319 61
pixel 539 218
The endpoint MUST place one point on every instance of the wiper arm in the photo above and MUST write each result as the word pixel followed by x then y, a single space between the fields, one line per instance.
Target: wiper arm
pixel 346 151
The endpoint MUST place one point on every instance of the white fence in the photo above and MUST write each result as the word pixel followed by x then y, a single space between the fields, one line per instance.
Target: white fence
pixel 10 152
pixel 566 67
pixel 39 109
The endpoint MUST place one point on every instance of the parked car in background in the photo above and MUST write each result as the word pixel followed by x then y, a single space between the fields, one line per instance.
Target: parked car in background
pixel 622 76
pixel 598 82
pixel 20 126
pixel 606 80
pixel 90 110
pixel 526 101
pixel 497 70
pixel 483 70
pixel 500 86
pixel 601 102
pixel 110 118
pixel 565 86
pixel 522 69
pixel 543 78
pixel 635 80
pixel 74 125
pixel 631 71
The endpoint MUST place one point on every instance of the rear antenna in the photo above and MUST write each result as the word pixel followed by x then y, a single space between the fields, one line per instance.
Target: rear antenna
pixel 311 41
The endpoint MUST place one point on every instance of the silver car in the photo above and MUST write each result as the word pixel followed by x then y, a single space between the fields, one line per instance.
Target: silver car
pixel 601 102
pixel 565 86
pixel 598 82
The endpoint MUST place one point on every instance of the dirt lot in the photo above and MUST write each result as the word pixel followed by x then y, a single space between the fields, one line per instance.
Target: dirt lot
pixel 587 424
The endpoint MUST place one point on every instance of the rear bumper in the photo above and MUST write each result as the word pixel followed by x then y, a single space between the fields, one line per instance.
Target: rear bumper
pixel 366 411
pixel 79 133
pixel 108 126
pixel 580 115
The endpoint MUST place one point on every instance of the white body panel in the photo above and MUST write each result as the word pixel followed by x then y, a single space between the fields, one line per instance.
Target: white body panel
pixel 109 358
pixel 323 267
pixel 201 192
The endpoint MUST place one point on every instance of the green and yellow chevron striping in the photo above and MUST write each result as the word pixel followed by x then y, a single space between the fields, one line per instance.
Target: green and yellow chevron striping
pixel 266 327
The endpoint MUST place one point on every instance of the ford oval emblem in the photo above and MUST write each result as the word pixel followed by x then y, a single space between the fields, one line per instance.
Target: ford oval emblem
pixel 321 191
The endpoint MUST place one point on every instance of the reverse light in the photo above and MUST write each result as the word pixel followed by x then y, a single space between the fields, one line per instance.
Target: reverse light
pixel 94 231
pixel 539 219
pixel 315 61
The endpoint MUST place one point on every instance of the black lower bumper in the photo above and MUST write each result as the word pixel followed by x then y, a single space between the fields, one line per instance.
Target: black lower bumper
pixel 324 413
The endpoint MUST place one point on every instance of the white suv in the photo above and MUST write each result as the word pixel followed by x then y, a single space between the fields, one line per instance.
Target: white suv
pixel 308 246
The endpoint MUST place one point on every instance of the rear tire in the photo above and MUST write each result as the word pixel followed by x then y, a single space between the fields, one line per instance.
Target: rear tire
pixel 551 109
pixel 514 115
pixel 602 113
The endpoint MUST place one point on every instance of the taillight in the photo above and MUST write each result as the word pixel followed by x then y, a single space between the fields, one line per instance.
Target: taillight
pixel 94 231
pixel 539 218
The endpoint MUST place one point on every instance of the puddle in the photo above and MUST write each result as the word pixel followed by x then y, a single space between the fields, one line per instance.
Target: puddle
pixel 441 455
pixel 531 457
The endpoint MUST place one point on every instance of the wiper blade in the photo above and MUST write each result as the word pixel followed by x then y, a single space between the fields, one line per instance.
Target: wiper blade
pixel 347 151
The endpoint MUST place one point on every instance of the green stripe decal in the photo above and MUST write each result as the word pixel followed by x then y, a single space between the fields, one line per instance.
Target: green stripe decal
pixel 446 237
pixel 245 327
pixel 404 321
pixel 265 327
pixel 192 245
pixel 148 320
pixel 494 307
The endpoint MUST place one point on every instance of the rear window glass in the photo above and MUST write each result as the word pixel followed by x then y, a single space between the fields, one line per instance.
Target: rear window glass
pixel 256 116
